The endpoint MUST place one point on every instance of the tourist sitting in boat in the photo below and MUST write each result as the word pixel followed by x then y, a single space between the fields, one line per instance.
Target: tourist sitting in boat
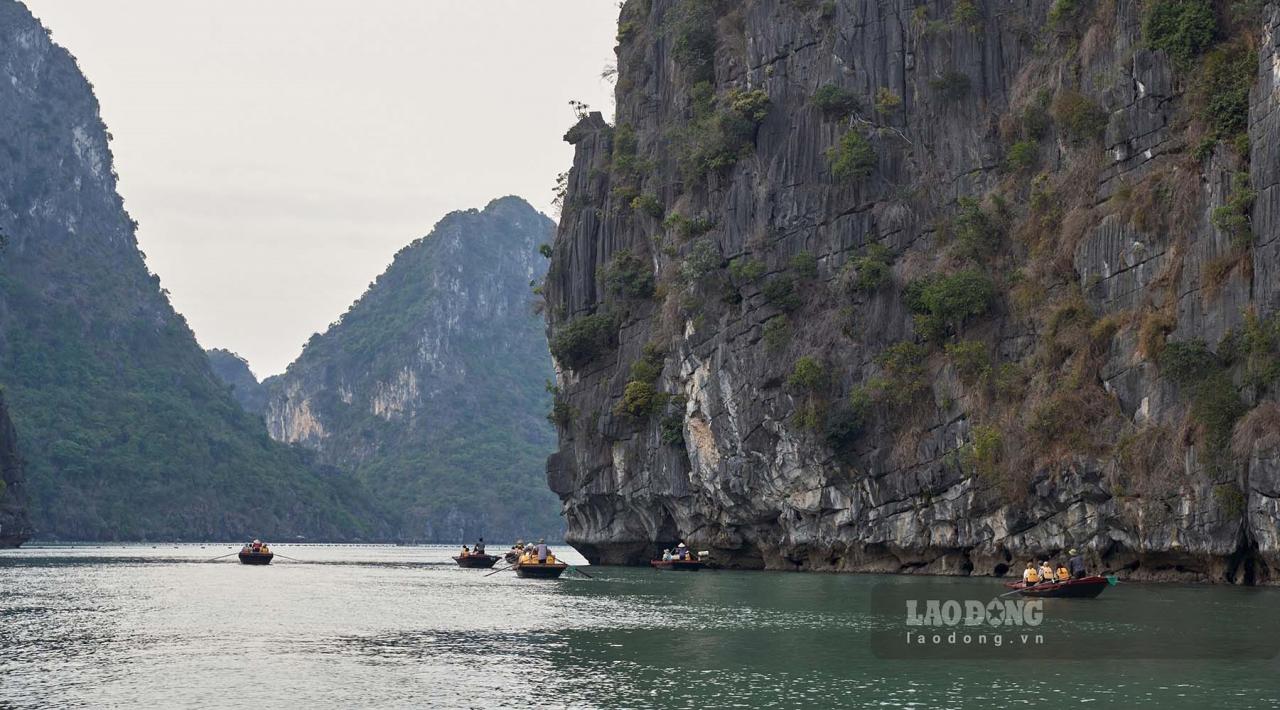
pixel 1029 575
pixel 465 551
pixel 480 546
pixel 1075 565
pixel 666 555
pixel 1063 574
pixel 1046 571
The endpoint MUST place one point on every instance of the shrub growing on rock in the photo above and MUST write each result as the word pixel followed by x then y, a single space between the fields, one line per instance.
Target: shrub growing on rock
pixel 1080 117
pixel 834 102
pixel 1222 88
pixel 702 259
pixel 976 232
pixel 971 359
pixel 584 339
pixel 718 137
pixel 905 380
pixel 1062 13
pixel 629 276
pixel 967 15
pixel 647 204
pixel 808 374
pixel 887 101
pixel 1187 362
pixel 640 399
pixel 943 304
pixel 805 265
pixel 852 158
pixel 745 269
pixel 780 292
pixel 1182 28
pixel 1233 217
pixel 1022 156
pixel 687 227
pixel 776 332
pixel 692 26
pixel 843 427
pixel 869 272
pixel 984 451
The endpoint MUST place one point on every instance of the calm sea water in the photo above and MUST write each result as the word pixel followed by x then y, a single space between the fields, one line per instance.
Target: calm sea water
pixel 375 626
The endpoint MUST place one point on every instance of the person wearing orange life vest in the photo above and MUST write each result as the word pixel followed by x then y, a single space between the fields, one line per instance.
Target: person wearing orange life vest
pixel 1029 575
pixel 1046 571
pixel 1063 574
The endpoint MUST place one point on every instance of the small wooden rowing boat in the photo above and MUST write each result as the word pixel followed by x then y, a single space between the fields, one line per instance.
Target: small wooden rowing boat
pixel 1083 588
pixel 474 561
pixel 690 565
pixel 544 570
pixel 250 557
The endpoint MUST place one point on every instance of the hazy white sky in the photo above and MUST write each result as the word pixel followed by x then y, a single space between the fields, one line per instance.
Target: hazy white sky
pixel 277 153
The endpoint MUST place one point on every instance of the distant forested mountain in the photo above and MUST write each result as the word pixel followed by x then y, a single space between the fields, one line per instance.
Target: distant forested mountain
pixel 234 371
pixel 431 389
pixel 126 432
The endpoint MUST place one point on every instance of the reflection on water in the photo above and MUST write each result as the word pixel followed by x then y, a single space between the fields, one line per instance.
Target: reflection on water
pixel 125 626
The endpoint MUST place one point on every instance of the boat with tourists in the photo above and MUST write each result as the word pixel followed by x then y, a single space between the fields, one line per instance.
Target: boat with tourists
pixel 681 559
pixel 1083 588
pixel 538 562
pixel 551 569
pixel 475 557
pixel 256 553
pixel 475 560
pixel 690 565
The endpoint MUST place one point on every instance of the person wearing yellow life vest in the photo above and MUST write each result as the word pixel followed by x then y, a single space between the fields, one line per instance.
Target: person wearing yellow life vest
pixel 1046 571
pixel 1029 575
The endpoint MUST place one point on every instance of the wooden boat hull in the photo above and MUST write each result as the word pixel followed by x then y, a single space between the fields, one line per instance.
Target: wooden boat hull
pixel 256 558
pixel 678 565
pixel 1083 588
pixel 540 571
pixel 15 540
pixel 511 558
pixel 476 561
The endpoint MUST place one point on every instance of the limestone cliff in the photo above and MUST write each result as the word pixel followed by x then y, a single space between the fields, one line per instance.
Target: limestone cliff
pixel 936 288
pixel 15 524
pixel 431 388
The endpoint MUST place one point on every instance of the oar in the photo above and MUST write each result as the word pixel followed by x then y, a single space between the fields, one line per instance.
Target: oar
pixel 277 554
pixel 226 555
pixel 501 569
pixel 584 574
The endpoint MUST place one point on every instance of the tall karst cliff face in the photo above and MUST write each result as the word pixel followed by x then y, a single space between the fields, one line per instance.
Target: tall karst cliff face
pixel 15 524
pixel 432 387
pixel 933 288
pixel 125 431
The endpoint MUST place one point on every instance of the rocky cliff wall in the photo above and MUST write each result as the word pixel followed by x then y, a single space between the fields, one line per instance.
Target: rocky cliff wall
pixel 926 288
